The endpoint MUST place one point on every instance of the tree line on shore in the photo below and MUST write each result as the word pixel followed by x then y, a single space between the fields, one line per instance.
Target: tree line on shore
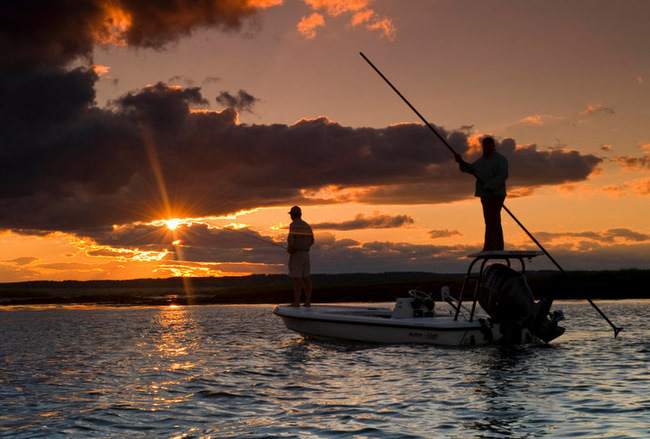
pixel 328 288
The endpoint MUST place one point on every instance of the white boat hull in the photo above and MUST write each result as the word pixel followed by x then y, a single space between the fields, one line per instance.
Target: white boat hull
pixel 376 325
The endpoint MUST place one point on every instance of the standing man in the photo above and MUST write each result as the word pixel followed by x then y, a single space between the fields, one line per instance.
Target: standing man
pixel 491 172
pixel 300 240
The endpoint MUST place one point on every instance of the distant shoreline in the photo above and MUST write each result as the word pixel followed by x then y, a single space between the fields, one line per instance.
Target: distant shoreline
pixel 275 288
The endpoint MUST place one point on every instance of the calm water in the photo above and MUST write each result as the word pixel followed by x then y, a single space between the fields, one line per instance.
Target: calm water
pixel 235 371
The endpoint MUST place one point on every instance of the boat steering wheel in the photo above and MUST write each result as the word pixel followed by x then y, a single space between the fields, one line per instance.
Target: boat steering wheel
pixel 417 294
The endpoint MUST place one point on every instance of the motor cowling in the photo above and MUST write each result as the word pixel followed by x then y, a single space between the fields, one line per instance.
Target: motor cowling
pixel 505 295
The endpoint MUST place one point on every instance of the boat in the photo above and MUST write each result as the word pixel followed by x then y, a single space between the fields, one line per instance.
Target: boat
pixel 500 310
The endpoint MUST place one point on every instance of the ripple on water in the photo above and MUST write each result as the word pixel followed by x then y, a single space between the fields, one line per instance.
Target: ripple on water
pixel 237 372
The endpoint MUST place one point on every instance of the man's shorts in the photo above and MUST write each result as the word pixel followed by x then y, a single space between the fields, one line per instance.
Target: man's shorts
pixel 299 265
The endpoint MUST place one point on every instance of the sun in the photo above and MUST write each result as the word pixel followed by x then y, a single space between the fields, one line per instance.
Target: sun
pixel 172 224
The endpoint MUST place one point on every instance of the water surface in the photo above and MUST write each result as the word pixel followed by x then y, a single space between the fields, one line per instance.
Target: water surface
pixel 236 371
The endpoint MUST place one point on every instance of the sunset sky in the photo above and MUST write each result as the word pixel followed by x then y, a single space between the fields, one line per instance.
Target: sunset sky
pixel 157 139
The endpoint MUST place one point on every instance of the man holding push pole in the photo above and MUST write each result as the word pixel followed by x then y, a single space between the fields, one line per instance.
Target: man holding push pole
pixel 491 172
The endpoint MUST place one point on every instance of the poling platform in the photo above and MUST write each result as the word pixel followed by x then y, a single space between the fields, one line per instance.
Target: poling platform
pixel 504 294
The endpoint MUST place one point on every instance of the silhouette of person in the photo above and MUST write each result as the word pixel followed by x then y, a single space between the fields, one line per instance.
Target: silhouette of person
pixel 491 172
pixel 300 240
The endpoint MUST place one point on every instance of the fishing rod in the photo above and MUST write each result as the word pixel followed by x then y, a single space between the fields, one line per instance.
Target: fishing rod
pixel 530 235
pixel 268 241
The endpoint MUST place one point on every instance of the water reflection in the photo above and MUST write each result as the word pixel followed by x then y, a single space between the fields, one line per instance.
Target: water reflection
pixel 174 333
pixel 160 361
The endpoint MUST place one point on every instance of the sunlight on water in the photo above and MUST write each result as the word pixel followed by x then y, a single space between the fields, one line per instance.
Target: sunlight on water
pixel 235 371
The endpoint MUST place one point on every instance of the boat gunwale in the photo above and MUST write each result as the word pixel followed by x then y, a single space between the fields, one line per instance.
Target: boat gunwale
pixel 406 323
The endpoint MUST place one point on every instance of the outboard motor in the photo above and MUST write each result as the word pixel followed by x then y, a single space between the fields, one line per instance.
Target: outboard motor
pixel 506 297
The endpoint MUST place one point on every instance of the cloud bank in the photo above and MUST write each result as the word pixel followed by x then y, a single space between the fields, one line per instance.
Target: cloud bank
pixel 160 152
pixel 69 165
pixel 375 221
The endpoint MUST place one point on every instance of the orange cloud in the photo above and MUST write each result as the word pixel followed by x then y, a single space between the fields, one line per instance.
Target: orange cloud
pixel 264 3
pixel 307 26
pixel 604 237
pixel 338 7
pixel 533 120
pixel 385 26
pixel 596 108
pixel 361 12
pixel 361 17
pixel 116 23
pixel 100 70
pixel 639 187
pixel 539 119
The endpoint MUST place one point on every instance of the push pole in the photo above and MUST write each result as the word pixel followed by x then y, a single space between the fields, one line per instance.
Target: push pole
pixel 530 235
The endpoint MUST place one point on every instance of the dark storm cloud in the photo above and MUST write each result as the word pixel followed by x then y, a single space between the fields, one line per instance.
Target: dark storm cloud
pixel 182 80
pixel 194 235
pixel 530 167
pixel 203 244
pixel 243 101
pixel 98 167
pixel 195 242
pixel 160 106
pixel 211 79
pixel 443 233
pixel 53 33
pixel 375 221
pixel 610 249
pixel 66 164
pixel 348 256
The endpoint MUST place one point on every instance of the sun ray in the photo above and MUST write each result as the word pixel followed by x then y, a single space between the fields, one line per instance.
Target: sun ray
pixel 172 224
